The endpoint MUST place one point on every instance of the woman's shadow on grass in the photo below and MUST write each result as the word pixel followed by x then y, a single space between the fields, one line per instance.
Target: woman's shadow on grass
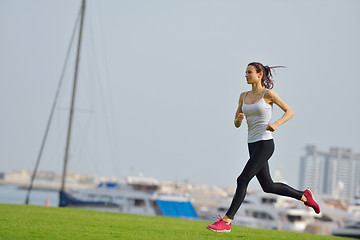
pixel 208 234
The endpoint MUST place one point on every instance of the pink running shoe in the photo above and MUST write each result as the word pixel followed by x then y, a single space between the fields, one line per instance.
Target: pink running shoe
pixel 311 201
pixel 219 226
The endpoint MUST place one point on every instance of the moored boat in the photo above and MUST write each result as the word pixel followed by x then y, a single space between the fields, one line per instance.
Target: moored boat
pixel 136 195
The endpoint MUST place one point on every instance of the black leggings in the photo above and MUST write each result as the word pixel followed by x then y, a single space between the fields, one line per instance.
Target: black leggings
pixel 258 166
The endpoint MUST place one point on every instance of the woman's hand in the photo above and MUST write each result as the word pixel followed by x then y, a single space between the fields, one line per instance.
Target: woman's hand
pixel 238 119
pixel 272 127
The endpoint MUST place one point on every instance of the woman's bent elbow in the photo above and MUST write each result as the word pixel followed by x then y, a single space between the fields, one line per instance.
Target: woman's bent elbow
pixel 292 114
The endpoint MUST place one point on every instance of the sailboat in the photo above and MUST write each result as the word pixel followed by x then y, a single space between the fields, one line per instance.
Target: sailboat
pixel 136 195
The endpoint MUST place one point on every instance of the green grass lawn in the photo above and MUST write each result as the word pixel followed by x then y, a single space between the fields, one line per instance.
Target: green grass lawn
pixel 34 222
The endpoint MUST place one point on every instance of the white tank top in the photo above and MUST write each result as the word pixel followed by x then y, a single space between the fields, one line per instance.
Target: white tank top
pixel 258 116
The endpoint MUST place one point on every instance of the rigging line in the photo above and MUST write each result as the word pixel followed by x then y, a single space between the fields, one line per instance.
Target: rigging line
pixel 82 139
pixel 81 131
pixel 109 88
pixel 83 110
pixel 105 57
pixel 91 70
pixel 52 109
pixel 90 74
pixel 96 69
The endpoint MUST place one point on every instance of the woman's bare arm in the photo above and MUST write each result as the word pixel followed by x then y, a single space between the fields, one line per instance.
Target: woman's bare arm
pixel 239 115
pixel 273 97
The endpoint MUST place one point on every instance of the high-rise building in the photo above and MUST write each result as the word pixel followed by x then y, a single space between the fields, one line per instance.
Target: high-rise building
pixel 335 173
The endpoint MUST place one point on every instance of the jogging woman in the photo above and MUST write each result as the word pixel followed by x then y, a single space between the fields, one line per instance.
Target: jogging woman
pixel 256 106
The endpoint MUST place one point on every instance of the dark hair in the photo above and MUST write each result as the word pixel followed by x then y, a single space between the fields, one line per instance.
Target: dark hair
pixel 266 80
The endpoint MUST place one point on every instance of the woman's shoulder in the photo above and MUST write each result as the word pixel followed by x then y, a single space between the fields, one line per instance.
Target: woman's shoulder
pixel 241 98
pixel 270 93
pixel 243 93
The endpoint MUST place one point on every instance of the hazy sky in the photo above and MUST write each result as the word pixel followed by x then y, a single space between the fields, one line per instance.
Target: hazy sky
pixel 160 80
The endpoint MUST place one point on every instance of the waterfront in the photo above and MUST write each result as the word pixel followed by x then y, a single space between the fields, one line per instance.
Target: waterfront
pixel 14 195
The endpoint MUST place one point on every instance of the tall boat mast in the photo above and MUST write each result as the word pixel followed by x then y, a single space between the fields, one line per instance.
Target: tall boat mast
pixel 73 98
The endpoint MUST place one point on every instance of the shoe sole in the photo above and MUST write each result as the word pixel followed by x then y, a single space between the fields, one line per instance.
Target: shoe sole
pixel 312 195
pixel 227 231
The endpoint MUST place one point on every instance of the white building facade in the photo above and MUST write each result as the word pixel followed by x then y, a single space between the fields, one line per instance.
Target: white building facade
pixel 335 173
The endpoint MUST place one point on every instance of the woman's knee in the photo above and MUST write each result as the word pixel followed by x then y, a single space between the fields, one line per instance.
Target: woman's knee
pixel 243 180
pixel 269 188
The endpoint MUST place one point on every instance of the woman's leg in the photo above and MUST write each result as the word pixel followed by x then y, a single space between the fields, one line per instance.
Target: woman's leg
pixel 282 189
pixel 260 152
pixel 269 186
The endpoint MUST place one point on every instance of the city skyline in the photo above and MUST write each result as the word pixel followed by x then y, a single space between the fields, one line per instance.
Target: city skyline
pixel 314 171
pixel 334 173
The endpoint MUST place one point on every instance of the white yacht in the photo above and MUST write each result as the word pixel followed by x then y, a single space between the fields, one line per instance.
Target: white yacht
pixel 137 195
pixel 350 229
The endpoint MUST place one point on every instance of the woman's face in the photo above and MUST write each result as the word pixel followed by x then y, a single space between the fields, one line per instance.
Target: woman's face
pixel 251 75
